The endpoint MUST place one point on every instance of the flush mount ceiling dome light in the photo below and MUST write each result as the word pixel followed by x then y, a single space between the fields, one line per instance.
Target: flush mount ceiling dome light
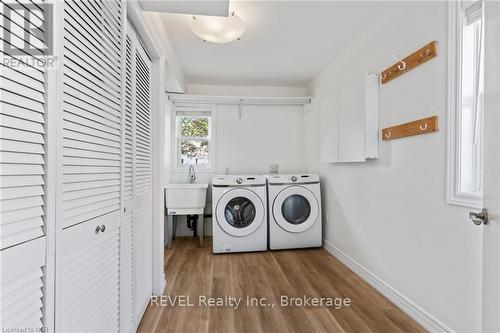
pixel 217 29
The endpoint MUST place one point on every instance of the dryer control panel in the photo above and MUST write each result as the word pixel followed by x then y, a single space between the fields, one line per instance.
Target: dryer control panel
pixel 293 179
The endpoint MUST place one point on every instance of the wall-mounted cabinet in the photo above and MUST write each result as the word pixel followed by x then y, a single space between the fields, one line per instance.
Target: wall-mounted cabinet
pixel 349 122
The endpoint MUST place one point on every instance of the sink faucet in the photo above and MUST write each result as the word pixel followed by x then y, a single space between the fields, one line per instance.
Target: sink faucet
pixel 191 174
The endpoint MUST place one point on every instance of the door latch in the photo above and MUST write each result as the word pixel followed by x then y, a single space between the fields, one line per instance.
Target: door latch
pixel 479 218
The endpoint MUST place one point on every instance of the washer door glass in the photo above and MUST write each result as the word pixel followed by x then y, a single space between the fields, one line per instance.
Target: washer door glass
pixel 240 212
pixel 296 209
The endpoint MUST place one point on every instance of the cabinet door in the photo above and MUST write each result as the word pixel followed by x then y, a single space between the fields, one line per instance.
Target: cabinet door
pixel 352 121
pixel 349 122
pixel 330 129
pixel 372 110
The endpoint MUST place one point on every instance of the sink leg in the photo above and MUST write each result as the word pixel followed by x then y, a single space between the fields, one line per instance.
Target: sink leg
pixel 200 229
pixel 174 226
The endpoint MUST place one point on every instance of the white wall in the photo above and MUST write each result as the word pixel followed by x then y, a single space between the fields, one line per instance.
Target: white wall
pixel 167 230
pixel 248 91
pixel 390 215
pixel 264 135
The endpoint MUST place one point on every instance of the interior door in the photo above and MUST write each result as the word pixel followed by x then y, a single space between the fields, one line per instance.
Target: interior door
pixel 127 228
pixel 136 238
pixel 142 223
pixel 491 231
pixel 89 167
pixel 23 221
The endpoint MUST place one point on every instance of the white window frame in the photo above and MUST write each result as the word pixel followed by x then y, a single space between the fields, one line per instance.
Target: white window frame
pixel 454 195
pixel 188 107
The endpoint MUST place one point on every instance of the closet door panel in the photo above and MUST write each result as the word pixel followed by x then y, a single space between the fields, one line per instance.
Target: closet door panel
pixel 143 183
pixel 91 136
pixel 127 250
pixel 22 277
pixel 22 173
pixel 89 276
pixel 136 247
pixel 90 169
pixel 22 156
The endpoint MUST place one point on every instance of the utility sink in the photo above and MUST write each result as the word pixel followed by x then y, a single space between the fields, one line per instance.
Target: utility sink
pixel 186 199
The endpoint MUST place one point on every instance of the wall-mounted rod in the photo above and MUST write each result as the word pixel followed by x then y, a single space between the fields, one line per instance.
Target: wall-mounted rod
pixel 239 100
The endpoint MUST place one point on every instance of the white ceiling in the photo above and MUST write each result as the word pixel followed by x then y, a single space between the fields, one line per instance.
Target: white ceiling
pixel 212 7
pixel 286 42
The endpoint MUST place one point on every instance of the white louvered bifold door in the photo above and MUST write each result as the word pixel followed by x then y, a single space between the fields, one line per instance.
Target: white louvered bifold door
pixel 91 111
pixel 143 183
pixel 87 293
pixel 136 241
pixel 22 138
pixel 126 253
pixel 88 284
pixel 22 168
pixel 22 283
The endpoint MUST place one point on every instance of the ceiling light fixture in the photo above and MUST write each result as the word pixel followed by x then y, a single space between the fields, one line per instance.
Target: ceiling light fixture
pixel 216 29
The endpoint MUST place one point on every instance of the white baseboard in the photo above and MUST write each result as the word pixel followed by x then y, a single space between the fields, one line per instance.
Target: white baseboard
pixel 161 289
pixel 142 312
pixel 421 316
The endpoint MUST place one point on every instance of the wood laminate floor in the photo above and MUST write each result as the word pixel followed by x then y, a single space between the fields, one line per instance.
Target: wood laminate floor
pixel 193 271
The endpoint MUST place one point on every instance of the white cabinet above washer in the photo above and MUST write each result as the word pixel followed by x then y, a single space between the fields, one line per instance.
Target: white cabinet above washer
pixel 349 122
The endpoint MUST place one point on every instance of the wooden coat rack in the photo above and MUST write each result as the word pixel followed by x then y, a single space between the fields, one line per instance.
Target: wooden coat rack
pixel 421 126
pixel 415 59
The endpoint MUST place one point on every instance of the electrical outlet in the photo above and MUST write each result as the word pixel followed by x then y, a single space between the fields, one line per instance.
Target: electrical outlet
pixel 273 168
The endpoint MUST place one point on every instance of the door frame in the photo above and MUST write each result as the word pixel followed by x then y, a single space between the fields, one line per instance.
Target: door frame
pixel 491 231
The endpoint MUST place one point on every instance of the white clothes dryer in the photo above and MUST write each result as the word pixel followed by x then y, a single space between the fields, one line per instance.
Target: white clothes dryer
pixel 294 211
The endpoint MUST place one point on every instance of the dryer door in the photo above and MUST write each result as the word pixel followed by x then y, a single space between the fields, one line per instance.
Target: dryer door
pixel 240 212
pixel 295 209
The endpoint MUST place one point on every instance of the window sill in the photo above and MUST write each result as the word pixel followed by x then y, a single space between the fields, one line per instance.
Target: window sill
pixel 183 170
pixel 466 200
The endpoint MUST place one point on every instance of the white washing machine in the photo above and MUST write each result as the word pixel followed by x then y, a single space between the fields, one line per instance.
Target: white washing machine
pixel 294 211
pixel 239 212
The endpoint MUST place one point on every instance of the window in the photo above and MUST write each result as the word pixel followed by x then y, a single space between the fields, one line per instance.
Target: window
pixel 193 131
pixel 465 180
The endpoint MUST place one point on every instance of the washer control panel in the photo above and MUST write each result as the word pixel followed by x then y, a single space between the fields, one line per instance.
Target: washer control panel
pixel 238 180
pixel 293 178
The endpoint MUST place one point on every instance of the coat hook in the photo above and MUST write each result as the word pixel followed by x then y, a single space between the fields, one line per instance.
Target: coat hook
pixel 387 135
pixel 423 127
pixel 401 66
pixel 427 53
